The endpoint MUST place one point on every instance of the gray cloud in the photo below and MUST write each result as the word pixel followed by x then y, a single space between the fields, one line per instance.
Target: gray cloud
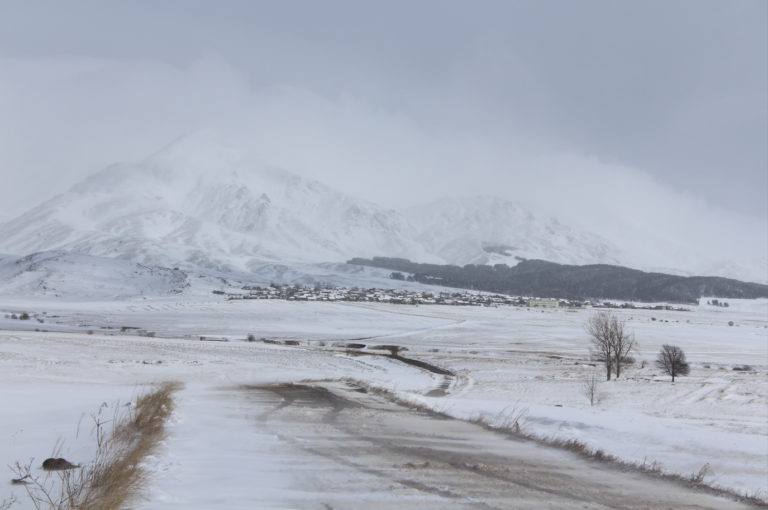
pixel 557 104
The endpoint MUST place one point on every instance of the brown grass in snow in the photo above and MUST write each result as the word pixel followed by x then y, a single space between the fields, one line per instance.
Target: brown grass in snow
pixel 117 475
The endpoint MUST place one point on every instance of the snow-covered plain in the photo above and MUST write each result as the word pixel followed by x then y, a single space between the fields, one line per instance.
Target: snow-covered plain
pixel 502 356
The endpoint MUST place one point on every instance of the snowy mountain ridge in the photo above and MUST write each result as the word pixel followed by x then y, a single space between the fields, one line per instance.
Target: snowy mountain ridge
pixel 205 205
pixel 490 230
pixel 197 204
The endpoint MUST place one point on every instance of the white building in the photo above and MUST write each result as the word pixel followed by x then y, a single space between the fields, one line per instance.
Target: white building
pixel 543 303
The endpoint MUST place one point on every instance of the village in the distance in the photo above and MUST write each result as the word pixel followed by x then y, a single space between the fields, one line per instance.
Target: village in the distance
pixel 331 293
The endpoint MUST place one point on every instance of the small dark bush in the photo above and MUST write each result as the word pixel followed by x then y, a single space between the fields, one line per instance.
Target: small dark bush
pixel 730 323
pixel 743 368
pixel 251 338
pixel 90 332
pixel 24 316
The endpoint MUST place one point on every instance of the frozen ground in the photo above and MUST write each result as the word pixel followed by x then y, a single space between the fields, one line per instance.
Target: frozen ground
pixel 221 451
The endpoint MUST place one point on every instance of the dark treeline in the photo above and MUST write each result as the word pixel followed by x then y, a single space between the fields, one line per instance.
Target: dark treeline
pixel 539 278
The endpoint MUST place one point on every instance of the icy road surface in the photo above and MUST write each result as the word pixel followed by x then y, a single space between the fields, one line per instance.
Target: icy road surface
pixel 343 449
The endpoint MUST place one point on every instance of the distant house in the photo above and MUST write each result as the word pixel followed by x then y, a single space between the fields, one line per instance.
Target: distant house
pixel 542 303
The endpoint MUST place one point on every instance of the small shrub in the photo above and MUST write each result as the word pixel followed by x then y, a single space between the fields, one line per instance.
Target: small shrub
pixel 24 316
pixel 590 388
pixel 14 316
pixel 251 338
pixel 8 503
pixel 90 332
pixel 743 368
pixel 730 323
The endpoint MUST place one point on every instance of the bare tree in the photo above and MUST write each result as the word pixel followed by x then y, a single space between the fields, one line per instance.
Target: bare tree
pixel 590 389
pixel 611 341
pixel 671 359
pixel 622 343
pixel 599 328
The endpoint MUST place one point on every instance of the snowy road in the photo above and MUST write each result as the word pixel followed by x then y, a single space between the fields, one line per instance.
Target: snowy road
pixel 369 454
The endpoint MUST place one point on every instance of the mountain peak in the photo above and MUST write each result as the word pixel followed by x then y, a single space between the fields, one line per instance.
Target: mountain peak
pixel 201 201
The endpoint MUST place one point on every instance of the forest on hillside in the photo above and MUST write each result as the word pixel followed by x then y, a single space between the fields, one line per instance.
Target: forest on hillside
pixel 539 278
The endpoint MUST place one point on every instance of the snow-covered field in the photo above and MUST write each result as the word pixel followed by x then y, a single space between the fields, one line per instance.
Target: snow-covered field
pixel 502 357
pixel 204 206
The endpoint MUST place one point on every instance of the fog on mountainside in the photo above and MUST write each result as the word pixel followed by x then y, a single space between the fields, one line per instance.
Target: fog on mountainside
pixel 199 204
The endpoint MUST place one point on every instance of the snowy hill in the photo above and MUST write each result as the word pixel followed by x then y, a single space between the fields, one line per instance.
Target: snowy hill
pixel 63 274
pixel 204 205
pixel 489 230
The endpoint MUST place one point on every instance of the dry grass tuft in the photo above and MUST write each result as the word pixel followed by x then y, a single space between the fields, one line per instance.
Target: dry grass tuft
pixel 8 503
pixel 114 479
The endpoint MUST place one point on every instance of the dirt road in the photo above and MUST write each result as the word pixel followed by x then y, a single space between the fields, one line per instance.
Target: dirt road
pixel 388 456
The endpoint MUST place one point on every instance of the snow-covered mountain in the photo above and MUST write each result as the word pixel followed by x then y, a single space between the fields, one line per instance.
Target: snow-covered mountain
pixel 199 206
pixel 202 204
pixel 489 230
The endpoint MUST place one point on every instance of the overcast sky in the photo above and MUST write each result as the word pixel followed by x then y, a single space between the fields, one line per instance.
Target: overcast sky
pixel 642 106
